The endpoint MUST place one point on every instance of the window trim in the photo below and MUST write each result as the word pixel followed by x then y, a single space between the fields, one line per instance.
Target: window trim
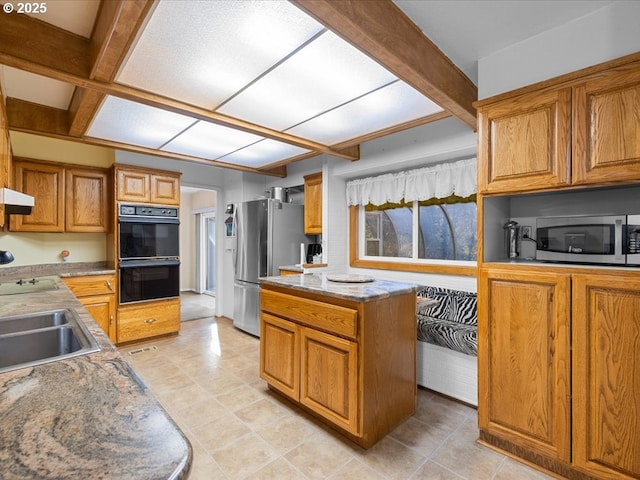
pixel 424 266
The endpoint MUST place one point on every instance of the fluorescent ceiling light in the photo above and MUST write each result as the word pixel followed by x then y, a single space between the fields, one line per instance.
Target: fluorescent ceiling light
pixel 322 75
pixel 389 106
pixel 209 140
pixel 136 124
pixel 203 52
pixel 263 153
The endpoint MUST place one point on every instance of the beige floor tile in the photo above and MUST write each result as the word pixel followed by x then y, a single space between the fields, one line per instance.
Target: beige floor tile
pixel 462 455
pixel 210 370
pixel 319 456
pixel 355 469
pixel 246 455
pixel 433 471
pixel 392 459
pixel 286 433
pixel 279 469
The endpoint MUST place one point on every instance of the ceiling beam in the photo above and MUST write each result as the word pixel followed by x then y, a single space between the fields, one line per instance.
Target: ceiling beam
pixel 74 67
pixel 116 27
pixel 381 30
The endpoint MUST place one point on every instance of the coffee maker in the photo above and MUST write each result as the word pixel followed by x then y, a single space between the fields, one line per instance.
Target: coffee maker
pixel 313 250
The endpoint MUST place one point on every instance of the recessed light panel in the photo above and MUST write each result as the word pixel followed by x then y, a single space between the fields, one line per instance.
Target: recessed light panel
pixel 136 124
pixel 209 140
pixel 202 52
pixel 263 153
pixel 324 74
pixel 392 105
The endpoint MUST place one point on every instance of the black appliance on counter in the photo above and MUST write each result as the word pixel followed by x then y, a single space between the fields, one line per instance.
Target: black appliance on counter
pixel 313 249
pixel 148 252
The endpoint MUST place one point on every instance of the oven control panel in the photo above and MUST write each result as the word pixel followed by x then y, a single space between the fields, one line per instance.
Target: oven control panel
pixel 148 211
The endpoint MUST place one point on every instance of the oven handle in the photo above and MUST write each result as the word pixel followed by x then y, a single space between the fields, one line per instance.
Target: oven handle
pixel 148 263
pixel 141 219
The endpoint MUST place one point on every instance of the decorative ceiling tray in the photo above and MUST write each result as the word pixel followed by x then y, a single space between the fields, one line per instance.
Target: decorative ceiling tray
pixel 350 278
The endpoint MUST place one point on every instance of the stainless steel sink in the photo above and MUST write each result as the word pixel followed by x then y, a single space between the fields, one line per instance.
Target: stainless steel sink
pixel 29 340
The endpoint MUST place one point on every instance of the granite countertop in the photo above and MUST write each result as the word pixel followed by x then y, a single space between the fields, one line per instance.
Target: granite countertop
pixel 320 283
pixel 88 416
pixel 63 269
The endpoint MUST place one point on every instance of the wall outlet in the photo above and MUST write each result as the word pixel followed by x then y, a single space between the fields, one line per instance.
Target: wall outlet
pixel 525 231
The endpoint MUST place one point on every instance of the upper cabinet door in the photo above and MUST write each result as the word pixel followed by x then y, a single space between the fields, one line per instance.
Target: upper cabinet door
pixel 165 189
pixel 313 204
pixel 524 143
pixel 46 184
pixel 87 197
pixel 606 140
pixel 133 186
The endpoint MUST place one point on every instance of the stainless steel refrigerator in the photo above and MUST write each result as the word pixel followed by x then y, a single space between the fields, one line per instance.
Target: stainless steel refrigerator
pixel 268 235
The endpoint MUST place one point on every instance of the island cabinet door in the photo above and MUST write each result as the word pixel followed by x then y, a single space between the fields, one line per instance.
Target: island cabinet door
pixel 329 378
pixel 523 360
pixel 606 375
pixel 280 354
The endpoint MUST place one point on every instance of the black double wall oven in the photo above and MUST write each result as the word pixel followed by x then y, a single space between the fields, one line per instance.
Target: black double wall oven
pixel 149 252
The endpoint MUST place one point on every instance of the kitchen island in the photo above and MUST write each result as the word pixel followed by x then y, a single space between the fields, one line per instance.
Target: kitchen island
pixel 345 351
pixel 88 416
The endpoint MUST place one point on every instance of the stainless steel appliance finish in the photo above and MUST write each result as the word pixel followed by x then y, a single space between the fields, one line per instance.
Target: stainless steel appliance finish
pixel 632 240
pixel 268 235
pixel 581 239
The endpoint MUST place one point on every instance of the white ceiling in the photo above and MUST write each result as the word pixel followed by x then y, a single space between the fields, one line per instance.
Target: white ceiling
pixel 342 96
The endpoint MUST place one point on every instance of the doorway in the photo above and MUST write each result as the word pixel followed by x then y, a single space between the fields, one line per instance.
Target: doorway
pixel 206 247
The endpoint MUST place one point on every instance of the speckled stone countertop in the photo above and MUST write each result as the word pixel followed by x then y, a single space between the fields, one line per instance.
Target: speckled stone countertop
pixel 84 417
pixel 361 292
pixel 63 269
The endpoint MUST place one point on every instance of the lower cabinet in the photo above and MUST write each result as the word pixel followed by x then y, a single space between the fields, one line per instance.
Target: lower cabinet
pixel 558 369
pixel 97 293
pixel 606 375
pixel 148 319
pixel 325 354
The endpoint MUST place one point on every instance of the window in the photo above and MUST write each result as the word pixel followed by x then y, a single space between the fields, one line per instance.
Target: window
pixel 422 220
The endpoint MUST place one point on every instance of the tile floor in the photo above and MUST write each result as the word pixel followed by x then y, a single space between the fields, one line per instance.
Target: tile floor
pixel 207 379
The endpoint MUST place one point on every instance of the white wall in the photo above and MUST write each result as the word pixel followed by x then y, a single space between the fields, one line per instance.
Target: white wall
pixel 605 34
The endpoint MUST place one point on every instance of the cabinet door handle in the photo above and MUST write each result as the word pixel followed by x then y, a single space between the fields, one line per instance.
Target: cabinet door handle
pixel 109 285
pixel 151 320
pixel 110 319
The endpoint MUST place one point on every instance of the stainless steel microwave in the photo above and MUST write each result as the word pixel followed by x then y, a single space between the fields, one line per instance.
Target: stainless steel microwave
pixel 604 239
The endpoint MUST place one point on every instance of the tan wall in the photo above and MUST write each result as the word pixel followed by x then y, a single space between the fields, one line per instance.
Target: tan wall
pixel 38 248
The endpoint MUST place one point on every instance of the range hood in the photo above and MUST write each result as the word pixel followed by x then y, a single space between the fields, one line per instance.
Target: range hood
pixel 16 202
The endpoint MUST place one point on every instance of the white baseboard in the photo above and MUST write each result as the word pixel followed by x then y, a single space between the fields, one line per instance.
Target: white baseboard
pixel 448 372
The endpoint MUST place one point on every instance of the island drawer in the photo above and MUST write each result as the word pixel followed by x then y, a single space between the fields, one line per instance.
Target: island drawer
pixel 91 285
pixel 324 316
pixel 148 320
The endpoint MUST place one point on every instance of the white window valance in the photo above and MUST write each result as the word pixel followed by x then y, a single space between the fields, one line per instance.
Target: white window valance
pixel 437 181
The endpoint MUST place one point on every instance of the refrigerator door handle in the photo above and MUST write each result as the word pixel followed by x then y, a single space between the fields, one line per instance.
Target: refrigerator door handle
pixel 235 226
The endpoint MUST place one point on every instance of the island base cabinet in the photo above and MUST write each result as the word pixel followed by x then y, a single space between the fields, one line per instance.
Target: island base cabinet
pixel 352 364
pixel 329 373
pixel 606 375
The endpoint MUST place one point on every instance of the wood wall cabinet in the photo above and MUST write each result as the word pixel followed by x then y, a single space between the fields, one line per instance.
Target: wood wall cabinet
pixel 45 182
pixel 148 319
pixel 606 376
pixel 313 204
pixel 86 200
pixel 97 293
pixel 5 155
pixel 324 353
pixel 524 360
pixel 67 198
pixel 147 186
pixel 580 132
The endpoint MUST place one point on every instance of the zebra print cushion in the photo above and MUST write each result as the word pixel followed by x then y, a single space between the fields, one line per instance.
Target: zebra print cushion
pixel 455 336
pixel 452 322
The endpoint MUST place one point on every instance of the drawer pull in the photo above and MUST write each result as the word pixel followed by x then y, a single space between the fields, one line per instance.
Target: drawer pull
pixel 109 285
pixel 151 320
